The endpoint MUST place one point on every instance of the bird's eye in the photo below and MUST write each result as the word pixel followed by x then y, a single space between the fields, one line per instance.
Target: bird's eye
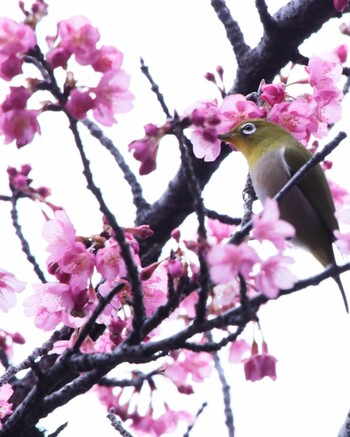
pixel 247 128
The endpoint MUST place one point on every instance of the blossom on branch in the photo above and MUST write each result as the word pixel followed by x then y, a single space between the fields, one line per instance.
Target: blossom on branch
pixel 9 285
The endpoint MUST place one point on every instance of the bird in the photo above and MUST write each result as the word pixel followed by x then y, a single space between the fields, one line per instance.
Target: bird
pixel 274 156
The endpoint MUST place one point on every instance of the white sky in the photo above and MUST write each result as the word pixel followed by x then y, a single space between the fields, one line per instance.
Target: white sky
pixel 180 41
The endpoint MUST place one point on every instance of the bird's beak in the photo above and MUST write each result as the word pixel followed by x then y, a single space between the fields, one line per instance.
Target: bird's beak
pixel 225 137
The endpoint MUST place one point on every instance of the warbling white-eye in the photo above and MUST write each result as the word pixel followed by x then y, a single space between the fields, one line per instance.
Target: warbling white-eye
pixel 273 156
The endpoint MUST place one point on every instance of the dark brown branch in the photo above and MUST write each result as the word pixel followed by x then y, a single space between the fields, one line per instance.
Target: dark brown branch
pixel 233 31
pixel 136 188
pixel 155 88
pixel 136 287
pixel 117 425
pixel 229 420
pixel 24 242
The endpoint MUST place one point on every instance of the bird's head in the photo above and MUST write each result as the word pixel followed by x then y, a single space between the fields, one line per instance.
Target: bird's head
pixel 256 137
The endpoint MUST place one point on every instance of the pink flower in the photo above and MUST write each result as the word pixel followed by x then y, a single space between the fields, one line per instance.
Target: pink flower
pixel 20 125
pixel 235 108
pixel 9 285
pixel 275 276
pixel 153 293
pixel 273 93
pixel 340 5
pixel 220 230
pixel 205 119
pixel 110 263
pixel 79 263
pixel 340 195
pixel 294 116
pixel 59 234
pixel 146 149
pixel 269 227
pixel 342 51
pixel 112 96
pixel 15 38
pixel 79 37
pixel 226 261
pixel 258 366
pixel 324 74
pixel 343 242
pixel 189 366
pixel 79 103
pixel 6 392
pixel 10 66
pixel 17 99
pixel 58 57
pixel 238 348
pixel 50 305
pixel 108 58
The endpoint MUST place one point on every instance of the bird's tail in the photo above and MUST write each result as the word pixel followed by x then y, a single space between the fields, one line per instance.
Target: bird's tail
pixel 342 291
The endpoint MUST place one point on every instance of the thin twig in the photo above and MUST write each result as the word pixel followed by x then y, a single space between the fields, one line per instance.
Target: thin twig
pixel 129 176
pixel 117 424
pixel 199 412
pixel 155 88
pixel 24 243
pixel 229 420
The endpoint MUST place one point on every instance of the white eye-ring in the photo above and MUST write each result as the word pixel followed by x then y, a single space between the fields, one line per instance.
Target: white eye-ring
pixel 247 129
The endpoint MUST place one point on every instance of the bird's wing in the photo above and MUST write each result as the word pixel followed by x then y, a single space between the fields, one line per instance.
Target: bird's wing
pixel 314 185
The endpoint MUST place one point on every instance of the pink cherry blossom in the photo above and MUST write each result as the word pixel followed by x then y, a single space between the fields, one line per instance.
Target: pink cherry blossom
pixel 294 116
pixel 154 294
pixel 226 261
pixel 340 5
pixel 79 263
pixel 146 149
pixel 59 234
pixel 268 226
pixel 15 38
pixel 79 103
pixel 108 58
pixel 342 51
pixel 19 125
pixel 189 366
pixel 323 73
pixel 205 120
pixel 110 263
pixel 50 305
pixel 237 350
pixel 274 276
pixel 258 366
pixel 78 36
pixel 220 230
pixel 343 242
pixel 58 57
pixel 17 99
pixel 235 108
pixel 112 96
pixel 6 392
pixel 9 285
pixel 273 93
pixel 10 66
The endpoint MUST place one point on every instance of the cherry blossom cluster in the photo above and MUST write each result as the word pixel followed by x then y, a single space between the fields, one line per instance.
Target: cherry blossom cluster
pixel 77 38
pixel 302 116
pixel 181 368
pixel 266 276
